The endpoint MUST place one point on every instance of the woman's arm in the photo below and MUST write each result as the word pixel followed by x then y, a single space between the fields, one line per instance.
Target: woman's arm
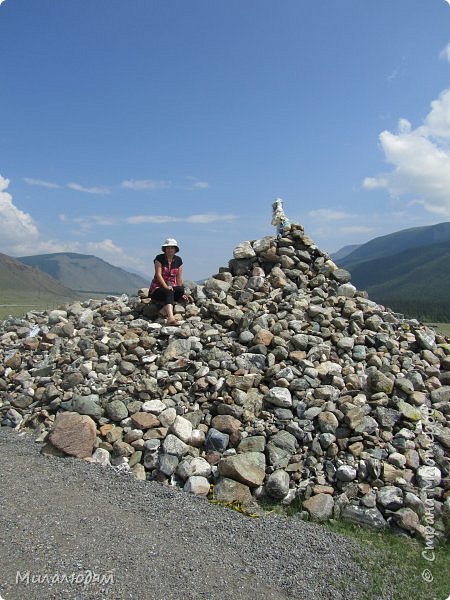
pixel 180 276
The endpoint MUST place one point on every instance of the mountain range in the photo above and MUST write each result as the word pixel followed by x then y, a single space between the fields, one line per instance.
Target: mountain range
pixel 29 285
pixel 408 270
pixel 86 273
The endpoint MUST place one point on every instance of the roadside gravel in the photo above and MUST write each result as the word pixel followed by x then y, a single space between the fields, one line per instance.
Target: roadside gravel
pixel 64 519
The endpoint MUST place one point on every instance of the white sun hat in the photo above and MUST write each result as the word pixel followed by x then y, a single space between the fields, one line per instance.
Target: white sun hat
pixel 170 242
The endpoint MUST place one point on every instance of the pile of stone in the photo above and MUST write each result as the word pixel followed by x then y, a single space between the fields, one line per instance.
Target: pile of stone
pixel 283 382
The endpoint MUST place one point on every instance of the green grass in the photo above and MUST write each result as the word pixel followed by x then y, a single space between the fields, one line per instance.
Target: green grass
pixel 398 564
pixel 18 305
pixel 442 328
pixel 393 562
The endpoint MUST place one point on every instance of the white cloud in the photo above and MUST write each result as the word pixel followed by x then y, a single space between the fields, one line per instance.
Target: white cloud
pixel 145 184
pixel 201 218
pixel 114 254
pixel 20 236
pixel 41 183
pixel 200 185
pixel 139 185
pixel 373 183
pixel 139 219
pixel 93 190
pixel 197 184
pixel 325 214
pixel 105 247
pixel 421 160
pixel 209 218
pixel 86 224
pixel 437 122
pixel 445 54
pixel 16 227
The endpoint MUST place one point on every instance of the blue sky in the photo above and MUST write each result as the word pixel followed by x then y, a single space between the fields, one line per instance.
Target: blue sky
pixel 126 122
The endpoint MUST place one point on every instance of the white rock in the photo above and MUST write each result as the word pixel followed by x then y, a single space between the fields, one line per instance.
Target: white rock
pixel 167 417
pixel 279 396
pixel 200 467
pixel 428 477
pixel 153 406
pixel 197 485
pixel 101 457
pixel 244 250
pixel 346 289
pixel 182 428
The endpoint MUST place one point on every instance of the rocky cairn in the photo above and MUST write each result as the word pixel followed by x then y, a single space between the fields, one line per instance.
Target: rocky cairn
pixel 282 382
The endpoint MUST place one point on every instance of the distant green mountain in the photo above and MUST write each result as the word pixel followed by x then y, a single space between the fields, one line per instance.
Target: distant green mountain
pixel 394 243
pixel 408 271
pixel 345 251
pixel 28 284
pixel 86 273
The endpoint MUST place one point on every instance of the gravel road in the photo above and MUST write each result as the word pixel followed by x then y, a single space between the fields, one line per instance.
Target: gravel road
pixel 74 530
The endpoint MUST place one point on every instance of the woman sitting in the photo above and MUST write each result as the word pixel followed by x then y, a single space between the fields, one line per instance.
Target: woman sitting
pixel 167 284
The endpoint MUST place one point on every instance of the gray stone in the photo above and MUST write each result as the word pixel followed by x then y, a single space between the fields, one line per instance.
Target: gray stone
pixel 176 348
pixel 320 507
pixel 277 457
pixel 406 519
pixel 341 275
pixel 197 485
pixel 442 435
pixel 22 401
pixel 255 443
pixel 285 441
pixel 12 418
pixel 359 353
pixel 426 338
pixel 368 517
pixel 346 473
pixel 247 468
pixel 228 490
pixel 116 410
pixel 379 382
pixel 216 440
pixel 87 405
pixel 327 422
pixel 277 484
pixel 387 417
pixel 126 367
pixel 347 289
pixel 167 464
pixel 441 394
pixel 279 397
pixel 390 497
pixel 175 446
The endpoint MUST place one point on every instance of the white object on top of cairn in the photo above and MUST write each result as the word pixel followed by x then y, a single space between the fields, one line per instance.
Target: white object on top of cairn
pixel 279 219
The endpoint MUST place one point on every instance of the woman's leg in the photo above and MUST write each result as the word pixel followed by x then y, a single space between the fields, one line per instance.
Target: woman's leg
pixel 178 292
pixel 166 298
